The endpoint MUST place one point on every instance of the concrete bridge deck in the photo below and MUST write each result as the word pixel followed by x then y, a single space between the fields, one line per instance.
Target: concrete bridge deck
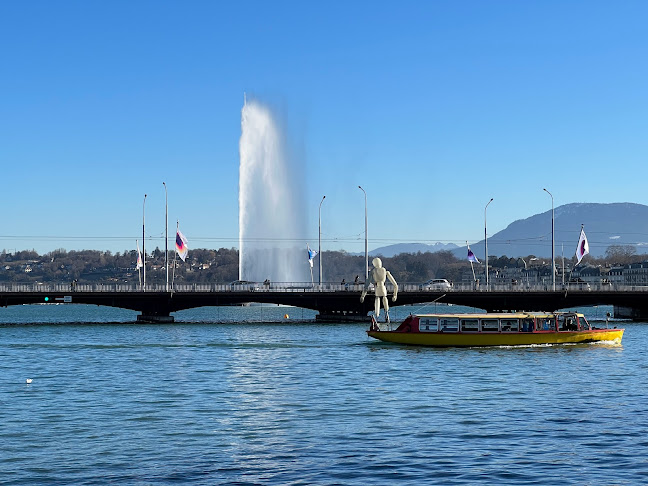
pixel 332 302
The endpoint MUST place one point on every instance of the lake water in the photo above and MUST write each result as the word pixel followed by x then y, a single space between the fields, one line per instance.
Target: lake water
pixel 246 396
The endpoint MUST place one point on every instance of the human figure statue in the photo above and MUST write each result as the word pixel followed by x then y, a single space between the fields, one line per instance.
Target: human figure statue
pixel 378 275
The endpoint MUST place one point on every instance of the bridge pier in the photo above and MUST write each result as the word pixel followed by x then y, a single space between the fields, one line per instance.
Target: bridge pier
pixel 155 318
pixel 634 313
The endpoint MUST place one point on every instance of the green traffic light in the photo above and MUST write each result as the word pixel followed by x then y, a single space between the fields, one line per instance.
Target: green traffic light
pixel 46 299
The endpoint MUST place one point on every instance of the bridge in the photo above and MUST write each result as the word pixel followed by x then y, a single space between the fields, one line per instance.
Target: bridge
pixel 332 302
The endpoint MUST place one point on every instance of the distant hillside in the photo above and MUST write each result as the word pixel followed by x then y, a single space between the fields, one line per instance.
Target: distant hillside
pixel 605 225
pixel 397 249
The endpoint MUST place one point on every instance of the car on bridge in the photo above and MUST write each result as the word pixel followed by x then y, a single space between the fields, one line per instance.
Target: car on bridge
pixel 238 285
pixel 436 284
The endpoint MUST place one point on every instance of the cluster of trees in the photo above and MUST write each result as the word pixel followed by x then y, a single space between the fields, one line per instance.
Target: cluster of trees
pixel 90 266
pixel 221 266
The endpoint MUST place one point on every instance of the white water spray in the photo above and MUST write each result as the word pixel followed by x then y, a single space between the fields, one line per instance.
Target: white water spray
pixel 271 208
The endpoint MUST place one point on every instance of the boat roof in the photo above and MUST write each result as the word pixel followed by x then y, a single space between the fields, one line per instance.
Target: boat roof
pixel 500 315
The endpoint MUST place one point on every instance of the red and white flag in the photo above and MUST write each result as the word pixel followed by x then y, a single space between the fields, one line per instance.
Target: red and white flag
pixel 181 245
pixel 583 246
pixel 139 257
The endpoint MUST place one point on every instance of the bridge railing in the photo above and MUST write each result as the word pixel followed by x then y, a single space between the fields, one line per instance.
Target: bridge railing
pixel 308 287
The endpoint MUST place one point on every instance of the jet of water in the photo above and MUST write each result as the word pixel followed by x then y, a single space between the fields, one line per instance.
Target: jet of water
pixel 271 206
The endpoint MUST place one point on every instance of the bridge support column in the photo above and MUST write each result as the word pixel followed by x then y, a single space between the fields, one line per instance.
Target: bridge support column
pixel 634 313
pixel 153 318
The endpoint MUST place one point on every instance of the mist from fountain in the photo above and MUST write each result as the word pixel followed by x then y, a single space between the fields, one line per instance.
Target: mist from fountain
pixel 271 203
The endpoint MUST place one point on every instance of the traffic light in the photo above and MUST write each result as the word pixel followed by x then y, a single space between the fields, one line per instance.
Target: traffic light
pixel 46 299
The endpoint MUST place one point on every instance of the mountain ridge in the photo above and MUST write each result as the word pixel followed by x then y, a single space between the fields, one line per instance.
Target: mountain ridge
pixel 605 224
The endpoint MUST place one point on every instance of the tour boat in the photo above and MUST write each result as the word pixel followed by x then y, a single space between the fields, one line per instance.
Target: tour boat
pixel 491 329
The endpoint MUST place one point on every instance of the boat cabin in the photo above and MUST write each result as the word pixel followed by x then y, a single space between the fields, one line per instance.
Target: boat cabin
pixel 496 323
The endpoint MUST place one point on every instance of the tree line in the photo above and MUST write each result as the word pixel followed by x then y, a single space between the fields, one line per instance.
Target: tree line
pixel 221 266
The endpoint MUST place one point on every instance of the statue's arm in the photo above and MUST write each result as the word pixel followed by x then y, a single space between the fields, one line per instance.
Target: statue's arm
pixel 393 282
pixel 366 288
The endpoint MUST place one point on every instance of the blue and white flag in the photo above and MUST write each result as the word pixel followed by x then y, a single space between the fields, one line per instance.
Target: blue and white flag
pixel 471 256
pixel 311 254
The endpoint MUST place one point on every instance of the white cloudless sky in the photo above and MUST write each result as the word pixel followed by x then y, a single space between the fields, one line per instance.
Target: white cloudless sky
pixel 433 107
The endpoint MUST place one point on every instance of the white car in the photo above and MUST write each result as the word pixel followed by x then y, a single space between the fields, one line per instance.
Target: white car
pixel 436 284
pixel 239 285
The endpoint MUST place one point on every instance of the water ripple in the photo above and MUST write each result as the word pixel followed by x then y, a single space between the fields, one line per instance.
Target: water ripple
pixel 305 404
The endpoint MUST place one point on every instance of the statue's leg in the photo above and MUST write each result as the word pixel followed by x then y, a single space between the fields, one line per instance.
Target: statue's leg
pixel 386 306
pixel 377 307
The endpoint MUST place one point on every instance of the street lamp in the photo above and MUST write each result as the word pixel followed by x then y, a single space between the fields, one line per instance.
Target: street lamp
pixel 166 234
pixel 319 249
pixel 366 242
pixel 144 244
pixel 525 270
pixel 553 259
pixel 486 241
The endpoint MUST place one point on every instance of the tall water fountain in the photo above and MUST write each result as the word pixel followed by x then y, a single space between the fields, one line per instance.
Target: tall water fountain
pixel 271 202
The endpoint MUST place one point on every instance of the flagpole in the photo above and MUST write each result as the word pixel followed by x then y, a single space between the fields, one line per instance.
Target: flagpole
pixel 366 240
pixel 144 243
pixel 553 246
pixel 166 234
pixel 471 266
pixel 563 259
pixel 175 255
pixel 582 238
pixel 320 243
pixel 486 241
pixel 139 269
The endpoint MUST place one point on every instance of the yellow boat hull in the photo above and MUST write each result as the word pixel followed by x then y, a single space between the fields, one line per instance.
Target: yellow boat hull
pixel 498 339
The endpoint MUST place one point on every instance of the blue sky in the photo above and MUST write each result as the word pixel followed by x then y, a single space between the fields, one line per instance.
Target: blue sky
pixel 433 107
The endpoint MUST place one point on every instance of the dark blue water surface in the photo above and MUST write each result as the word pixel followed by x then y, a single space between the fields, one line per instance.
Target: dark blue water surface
pixel 223 398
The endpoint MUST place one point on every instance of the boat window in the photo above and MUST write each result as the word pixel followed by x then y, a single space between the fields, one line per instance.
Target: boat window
pixel 449 325
pixel 427 324
pixel 470 325
pixel 545 324
pixel 584 325
pixel 490 325
pixel 526 325
pixel 567 322
pixel 510 325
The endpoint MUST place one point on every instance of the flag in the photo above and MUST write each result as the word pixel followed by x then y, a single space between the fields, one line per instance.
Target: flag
pixel 311 254
pixel 181 245
pixel 583 246
pixel 471 256
pixel 139 258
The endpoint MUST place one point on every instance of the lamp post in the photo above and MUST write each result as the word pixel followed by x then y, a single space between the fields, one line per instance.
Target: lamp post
pixel 166 234
pixel 366 241
pixel 525 270
pixel 486 241
pixel 144 244
pixel 319 249
pixel 553 259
